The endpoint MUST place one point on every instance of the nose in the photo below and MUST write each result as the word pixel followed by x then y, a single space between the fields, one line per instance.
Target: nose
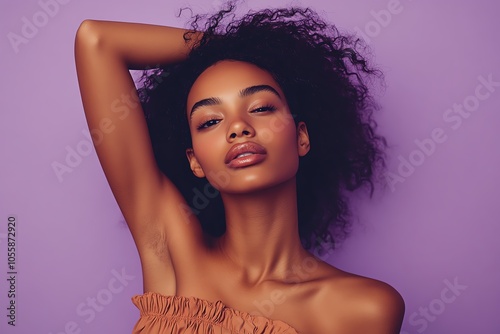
pixel 239 128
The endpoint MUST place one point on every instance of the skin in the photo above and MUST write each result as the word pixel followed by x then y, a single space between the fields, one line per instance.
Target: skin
pixel 259 265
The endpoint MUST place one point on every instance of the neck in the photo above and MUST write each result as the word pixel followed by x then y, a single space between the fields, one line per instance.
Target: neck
pixel 262 237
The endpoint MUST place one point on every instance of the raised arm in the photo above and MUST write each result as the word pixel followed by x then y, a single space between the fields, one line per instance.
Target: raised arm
pixel 104 53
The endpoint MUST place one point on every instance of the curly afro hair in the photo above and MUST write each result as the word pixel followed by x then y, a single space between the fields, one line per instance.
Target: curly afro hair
pixel 324 77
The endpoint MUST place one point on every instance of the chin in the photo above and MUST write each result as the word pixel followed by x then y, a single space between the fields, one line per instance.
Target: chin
pixel 257 184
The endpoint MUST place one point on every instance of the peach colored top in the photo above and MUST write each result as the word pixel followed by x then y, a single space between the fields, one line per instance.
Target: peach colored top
pixel 160 314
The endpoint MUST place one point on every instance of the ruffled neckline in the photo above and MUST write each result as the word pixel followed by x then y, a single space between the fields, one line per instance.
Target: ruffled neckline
pixel 197 312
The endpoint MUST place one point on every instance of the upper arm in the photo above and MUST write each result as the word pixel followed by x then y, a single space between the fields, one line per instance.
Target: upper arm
pixel 120 134
pixel 359 305
pixel 379 309
pixel 385 311
pixel 117 125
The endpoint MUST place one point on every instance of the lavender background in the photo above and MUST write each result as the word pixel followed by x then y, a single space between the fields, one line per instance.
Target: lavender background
pixel 436 224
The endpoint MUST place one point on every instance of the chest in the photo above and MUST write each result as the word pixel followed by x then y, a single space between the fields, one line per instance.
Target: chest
pixel 290 303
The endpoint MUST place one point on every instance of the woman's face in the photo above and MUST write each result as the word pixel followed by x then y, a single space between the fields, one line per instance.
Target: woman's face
pixel 243 134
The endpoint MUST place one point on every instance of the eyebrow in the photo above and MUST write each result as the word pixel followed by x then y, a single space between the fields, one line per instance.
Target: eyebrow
pixel 212 101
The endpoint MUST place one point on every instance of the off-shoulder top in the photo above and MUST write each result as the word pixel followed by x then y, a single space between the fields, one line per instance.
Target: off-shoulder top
pixel 160 314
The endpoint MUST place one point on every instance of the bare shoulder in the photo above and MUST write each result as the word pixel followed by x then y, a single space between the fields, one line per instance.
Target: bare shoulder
pixel 355 304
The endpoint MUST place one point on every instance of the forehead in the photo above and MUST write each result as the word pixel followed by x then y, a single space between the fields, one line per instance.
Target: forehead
pixel 228 78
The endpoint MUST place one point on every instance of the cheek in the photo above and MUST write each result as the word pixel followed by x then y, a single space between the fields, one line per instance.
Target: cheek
pixel 208 148
pixel 283 143
pixel 283 135
pixel 279 130
pixel 210 152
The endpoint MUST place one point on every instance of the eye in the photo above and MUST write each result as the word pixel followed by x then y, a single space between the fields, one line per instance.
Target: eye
pixel 265 108
pixel 208 124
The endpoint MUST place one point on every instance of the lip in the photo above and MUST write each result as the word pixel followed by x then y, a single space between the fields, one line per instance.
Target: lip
pixel 257 154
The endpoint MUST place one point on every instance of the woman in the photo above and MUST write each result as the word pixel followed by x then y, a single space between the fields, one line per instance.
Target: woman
pixel 246 102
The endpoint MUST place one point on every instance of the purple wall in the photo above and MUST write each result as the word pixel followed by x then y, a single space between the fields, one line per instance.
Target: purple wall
pixel 431 233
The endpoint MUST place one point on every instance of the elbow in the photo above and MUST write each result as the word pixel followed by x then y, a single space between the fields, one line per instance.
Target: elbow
pixel 88 35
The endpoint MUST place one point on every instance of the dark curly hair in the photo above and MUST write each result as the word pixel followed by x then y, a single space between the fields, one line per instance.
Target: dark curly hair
pixel 324 78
